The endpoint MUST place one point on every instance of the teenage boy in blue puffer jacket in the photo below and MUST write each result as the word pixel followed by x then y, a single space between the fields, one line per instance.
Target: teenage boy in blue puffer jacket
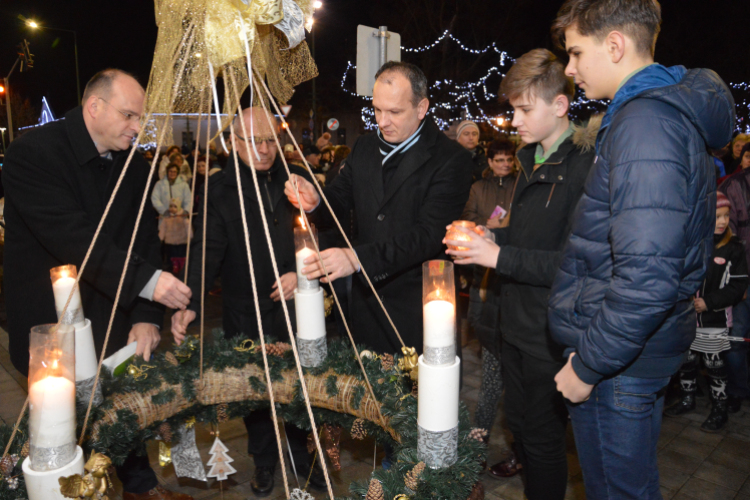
pixel 641 239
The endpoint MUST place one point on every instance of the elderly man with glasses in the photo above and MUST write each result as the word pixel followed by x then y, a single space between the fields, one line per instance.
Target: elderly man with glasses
pixel 226 256
pixel 58 180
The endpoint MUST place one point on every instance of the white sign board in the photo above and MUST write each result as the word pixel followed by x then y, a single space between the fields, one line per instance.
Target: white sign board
pixel 368 56
pixel 333 124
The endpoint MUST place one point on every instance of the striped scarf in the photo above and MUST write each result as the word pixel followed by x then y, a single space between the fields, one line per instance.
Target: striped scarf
pixel 389 150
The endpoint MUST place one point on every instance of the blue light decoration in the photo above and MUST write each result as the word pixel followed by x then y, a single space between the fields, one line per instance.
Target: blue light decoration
pixel 465 100
pixel 47 114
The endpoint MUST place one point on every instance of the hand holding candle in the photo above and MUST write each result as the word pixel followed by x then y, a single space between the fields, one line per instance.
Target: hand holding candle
pixel 474 248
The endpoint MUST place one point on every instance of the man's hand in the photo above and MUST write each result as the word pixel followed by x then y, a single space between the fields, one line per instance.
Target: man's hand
pixel 172 292
pixel 700 305
pixel 480 250
pixel 288 284
pixel 339 262
pixel 147 336
pixel 573 388
pixel 309 196
pixel 180 322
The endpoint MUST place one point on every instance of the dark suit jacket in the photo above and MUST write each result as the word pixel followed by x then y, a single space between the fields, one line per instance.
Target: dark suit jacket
pixel 52 209
pixel 399 228
pixel 226 254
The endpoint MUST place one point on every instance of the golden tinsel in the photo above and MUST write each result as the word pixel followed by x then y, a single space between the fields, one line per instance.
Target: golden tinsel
pixel 358 430
pixel 221 413
pixel 412 477
pixel 25 449
pixel 165 431
pixel 375 491
pixel 386 361
pixel 171 358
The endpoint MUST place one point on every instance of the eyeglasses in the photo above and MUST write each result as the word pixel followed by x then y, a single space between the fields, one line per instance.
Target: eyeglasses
pixel 270 141
pixel 128 116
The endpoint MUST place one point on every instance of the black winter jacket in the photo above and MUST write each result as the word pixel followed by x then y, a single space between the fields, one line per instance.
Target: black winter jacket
pixel 53 203
pixel 226 254
pixel 643 230
pixel 531 246
pixel 725 284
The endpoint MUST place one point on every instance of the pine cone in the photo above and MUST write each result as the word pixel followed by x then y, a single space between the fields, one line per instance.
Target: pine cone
pixel 25 449
pixel 358 430
pixel 477 492
pixel 478 434
pixel 165 431
pixel 6 465
pixel 375 491
pixel 310 444
pixel 332 444
pixel 171 358
pixel 415 390
pixel 412 477
pixel 386 361
pixel 221 413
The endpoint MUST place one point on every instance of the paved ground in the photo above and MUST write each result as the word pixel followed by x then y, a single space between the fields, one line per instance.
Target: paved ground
pixel 692 464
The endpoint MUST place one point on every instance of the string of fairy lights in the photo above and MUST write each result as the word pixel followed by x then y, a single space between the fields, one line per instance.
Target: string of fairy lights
pixel 464 101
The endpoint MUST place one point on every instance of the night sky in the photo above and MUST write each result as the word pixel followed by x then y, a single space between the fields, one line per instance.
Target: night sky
pixel 711 33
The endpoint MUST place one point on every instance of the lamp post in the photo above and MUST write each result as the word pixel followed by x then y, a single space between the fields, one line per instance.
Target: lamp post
pixel 34 25
pixel 2 131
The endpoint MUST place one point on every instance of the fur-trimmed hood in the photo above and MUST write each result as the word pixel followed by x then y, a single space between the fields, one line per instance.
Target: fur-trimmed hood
pixel 584 136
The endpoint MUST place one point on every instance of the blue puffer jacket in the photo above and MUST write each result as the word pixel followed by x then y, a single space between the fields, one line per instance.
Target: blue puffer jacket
pixel 642 232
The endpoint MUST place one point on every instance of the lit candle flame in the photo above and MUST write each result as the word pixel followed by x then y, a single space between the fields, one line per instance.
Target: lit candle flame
pixel 302 222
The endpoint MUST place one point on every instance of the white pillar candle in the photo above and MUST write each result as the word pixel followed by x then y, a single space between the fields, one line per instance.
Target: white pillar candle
pixel 303 284
pixel 62 288
pixel 52 412
pixel 439 323
pixel 437 406
pixel 86 361
pixel 310 312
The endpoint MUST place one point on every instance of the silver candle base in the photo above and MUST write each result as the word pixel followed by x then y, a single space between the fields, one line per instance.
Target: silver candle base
pixel 437 449
pixel 312 353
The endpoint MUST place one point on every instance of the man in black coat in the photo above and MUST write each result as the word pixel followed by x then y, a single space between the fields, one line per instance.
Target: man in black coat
pixel 226 256
pixel 58 180
pixel 406 183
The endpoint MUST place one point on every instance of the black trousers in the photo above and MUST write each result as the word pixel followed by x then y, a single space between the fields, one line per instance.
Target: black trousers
pixel 537 418
pixel 136 474
pixel 261 442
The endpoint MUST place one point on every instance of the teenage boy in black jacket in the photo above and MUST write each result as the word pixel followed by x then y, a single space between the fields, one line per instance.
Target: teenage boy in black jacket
pixel 526 257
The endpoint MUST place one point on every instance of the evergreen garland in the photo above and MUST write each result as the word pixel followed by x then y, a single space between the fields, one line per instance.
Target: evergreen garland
pixel 119 438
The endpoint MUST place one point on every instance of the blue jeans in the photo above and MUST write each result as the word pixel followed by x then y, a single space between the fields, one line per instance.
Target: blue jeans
pixel 616 432
pixel 736 357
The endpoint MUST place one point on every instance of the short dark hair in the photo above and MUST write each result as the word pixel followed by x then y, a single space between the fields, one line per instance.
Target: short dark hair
pixel 101 83
pixel 411 72
pixel 502 146
pixel 540 74
pixel 745 149
pixel 173 166
pixel 639 19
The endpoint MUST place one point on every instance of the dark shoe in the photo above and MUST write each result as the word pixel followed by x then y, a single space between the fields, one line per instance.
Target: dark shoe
pixel 684 405
pixel 717 419
pixel 157 493
pixel 317 478
pixel 734 404
pixel 507 468
pixel 262 483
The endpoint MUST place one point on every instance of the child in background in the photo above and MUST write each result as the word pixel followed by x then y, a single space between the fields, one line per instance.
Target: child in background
pixel 174 231
pixel 724 286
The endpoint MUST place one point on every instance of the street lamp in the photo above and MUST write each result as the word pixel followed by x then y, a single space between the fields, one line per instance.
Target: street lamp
pixel 2 131
pixel 35 25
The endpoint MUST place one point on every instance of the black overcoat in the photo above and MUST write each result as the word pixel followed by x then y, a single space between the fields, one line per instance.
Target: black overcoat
pixel 399 228
pixel 226 253
pixel 52 209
